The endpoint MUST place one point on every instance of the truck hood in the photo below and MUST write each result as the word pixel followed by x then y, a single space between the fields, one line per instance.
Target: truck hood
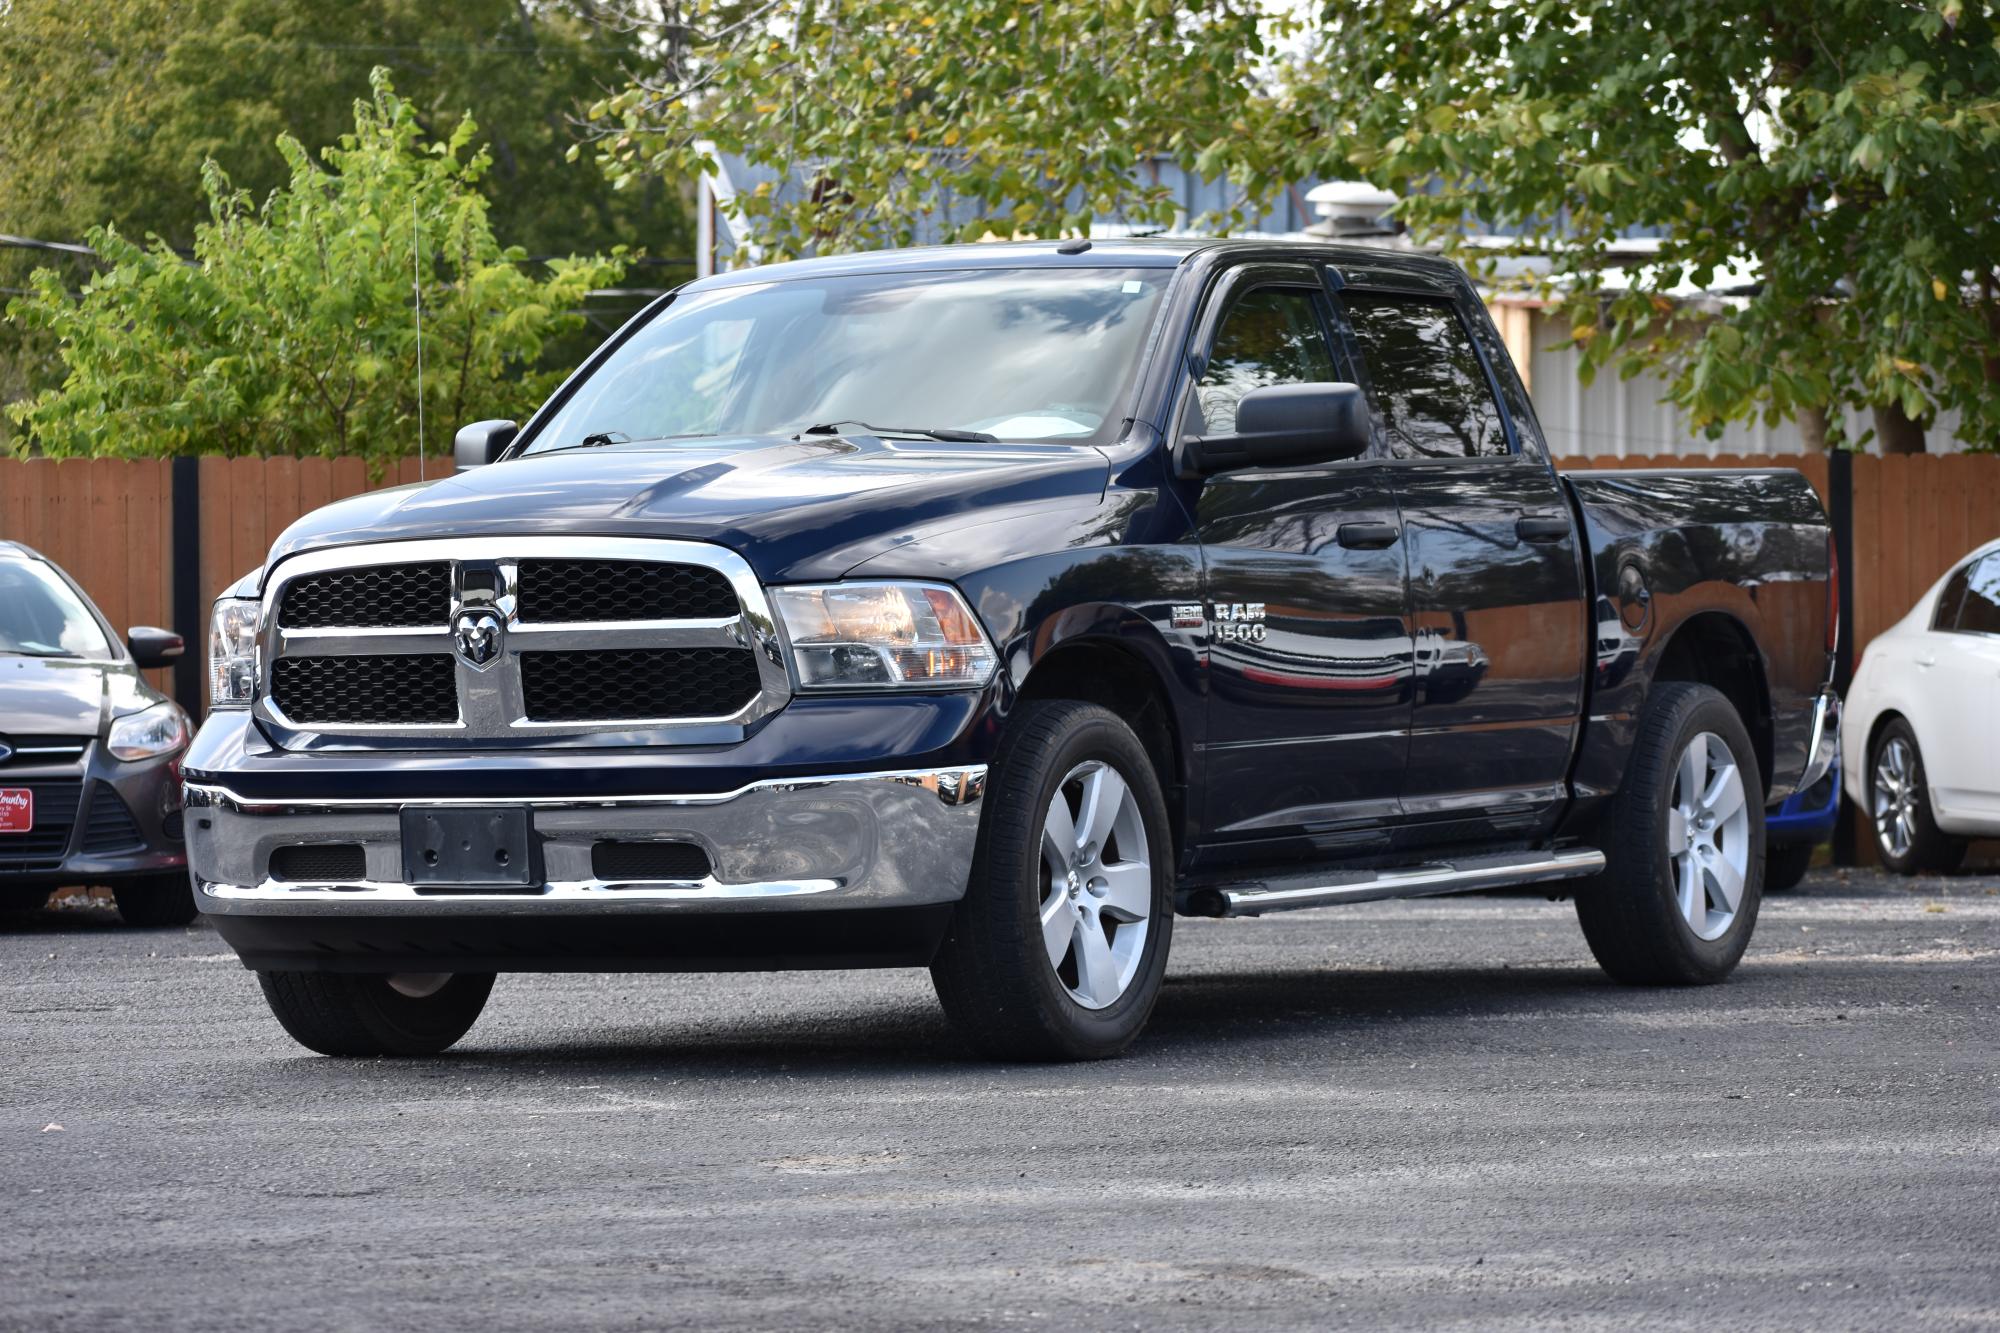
pixel 795 509
pixel 67 696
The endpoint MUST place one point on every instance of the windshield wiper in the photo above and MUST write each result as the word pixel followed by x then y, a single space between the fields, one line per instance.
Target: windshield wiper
pixel 598 439
pixel 954 436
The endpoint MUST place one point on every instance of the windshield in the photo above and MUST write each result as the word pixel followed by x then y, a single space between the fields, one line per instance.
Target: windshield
pixel 1021 354
pixel 42 616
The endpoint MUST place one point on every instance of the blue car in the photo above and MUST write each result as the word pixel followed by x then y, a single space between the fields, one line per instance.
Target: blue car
pixel 1794 829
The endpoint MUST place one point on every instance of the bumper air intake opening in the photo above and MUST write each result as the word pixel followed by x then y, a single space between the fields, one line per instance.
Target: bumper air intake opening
pixel 615 862
pixel 319 863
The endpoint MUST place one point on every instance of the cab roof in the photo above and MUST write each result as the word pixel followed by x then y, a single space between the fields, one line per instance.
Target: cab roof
pixel 1125 252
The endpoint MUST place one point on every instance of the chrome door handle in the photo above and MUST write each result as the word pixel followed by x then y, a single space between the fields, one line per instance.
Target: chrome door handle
pixel 1927 661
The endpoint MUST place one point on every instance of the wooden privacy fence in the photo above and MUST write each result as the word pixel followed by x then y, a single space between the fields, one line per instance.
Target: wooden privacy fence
pixel 126 528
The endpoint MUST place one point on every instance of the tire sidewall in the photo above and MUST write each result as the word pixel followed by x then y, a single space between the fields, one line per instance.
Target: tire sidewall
pixel 1105 739
pixel 1911 861
pixel 1715 958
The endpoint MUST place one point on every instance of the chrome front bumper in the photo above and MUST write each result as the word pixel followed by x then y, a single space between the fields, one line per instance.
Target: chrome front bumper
pixel 863 840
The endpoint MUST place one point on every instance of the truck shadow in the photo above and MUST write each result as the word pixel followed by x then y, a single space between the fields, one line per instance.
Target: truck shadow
pixel 1286 1016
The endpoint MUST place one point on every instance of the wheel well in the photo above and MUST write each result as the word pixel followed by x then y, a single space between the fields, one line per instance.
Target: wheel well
pixel 1714 649
pixel 1114 678
pixel 1881 724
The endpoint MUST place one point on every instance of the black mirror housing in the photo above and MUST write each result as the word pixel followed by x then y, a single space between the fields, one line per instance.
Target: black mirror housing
pixel 481 443
pixel 154 647
pixel 1287 425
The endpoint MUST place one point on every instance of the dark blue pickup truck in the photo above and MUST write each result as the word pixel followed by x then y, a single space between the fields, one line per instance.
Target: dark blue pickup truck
pixel 984 609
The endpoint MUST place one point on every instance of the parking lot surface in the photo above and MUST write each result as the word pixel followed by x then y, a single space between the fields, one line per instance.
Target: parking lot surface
pixel 1419 1113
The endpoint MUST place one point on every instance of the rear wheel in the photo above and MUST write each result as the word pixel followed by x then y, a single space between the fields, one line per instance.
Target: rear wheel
pixel 1907 837
pixel 1785 866
pixel 156 900
pixel 1057 950
pixel 404 1013
pixel 1685 848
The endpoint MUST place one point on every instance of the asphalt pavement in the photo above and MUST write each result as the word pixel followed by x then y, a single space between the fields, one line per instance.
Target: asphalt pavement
pixel 1433 1114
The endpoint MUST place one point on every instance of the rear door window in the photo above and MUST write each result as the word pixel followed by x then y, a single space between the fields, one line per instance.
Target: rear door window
pixel 1427 385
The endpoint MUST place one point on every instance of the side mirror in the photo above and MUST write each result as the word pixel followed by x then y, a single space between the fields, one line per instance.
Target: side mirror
pixel 1287 425
pixel 152 647
pixel 481 442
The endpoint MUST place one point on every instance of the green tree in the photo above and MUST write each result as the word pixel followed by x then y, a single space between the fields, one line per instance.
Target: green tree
pixel 111 108
pixel 1842 155
pixel 293 331
pixel 1839 159
pixel 108 110
pixel 882 116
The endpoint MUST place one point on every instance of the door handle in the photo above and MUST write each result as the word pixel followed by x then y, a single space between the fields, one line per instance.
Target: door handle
pixel 1367 536
pixel 1927 661
pixel 1542 529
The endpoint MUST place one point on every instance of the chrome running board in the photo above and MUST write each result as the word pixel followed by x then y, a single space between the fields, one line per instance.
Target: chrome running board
pixel 1414 881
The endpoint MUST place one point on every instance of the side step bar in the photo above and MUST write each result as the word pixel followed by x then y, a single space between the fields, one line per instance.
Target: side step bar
pixel 1414 881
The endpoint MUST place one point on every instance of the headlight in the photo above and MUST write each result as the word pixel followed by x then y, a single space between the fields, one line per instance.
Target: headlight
pixel 873 636
pixel 159 730
pixel 232 653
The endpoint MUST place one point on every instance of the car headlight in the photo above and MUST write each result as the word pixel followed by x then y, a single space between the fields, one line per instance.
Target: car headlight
pixel 161 729
pixel 232 653
pixel 875 636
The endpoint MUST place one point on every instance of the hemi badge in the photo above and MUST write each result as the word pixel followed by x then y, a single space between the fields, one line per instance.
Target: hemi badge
pixel 1187 617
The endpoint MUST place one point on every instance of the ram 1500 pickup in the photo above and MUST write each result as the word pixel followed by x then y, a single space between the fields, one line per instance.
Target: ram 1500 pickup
pixel 984 609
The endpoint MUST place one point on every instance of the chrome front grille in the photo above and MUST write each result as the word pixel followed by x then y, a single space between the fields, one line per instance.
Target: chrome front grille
pixel 528 640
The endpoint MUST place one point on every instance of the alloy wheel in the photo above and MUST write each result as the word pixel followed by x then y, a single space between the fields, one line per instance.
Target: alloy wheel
pixel 1097 884
pixel 1708 836
pixel 1895 797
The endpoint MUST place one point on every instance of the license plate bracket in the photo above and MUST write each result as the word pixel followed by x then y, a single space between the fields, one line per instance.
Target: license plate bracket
pixel 460 846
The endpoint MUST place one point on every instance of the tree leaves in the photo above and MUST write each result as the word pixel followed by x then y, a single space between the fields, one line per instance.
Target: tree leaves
pixel 294 329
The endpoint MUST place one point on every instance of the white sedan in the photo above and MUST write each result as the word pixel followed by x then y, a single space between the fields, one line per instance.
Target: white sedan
pixel 1921 748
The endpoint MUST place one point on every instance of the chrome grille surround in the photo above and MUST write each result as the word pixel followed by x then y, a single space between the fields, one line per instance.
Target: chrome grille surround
pixel 491 709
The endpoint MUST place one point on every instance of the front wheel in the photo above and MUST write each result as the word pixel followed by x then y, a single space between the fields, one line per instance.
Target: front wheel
pixel 1684 852
pixel 403 1013
pixel 1058 948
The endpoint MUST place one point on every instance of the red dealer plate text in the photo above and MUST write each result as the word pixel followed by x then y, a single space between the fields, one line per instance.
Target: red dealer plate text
pixel 17 809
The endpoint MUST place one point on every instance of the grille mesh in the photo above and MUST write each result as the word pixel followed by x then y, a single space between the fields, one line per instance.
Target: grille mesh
pixel 111 826
pixel 614 861
pixel 650 683
pixel 390 690
pixel 319 863
pixel 379 597
pixel 571 590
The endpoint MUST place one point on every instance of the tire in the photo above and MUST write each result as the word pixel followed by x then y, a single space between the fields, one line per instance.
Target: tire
pixel 1640 915
pixel 1899 786
pixel 1785 866
pixel 997 973
pixel 156 901
pixel 361 1014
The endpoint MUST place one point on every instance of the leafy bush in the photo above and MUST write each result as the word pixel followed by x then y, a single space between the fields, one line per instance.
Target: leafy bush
pixel 293 330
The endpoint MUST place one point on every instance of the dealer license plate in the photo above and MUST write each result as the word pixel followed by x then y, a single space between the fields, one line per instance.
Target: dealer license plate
pixel 17 809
